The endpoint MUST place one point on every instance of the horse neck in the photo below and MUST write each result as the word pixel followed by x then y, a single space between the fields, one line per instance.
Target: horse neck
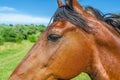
pixel 106 56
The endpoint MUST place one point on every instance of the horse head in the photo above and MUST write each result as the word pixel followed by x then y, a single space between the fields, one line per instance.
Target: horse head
pixel 70 45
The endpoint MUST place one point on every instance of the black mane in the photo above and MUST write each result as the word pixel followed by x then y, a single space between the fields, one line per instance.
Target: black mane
pixel 67 13
pixel 111 19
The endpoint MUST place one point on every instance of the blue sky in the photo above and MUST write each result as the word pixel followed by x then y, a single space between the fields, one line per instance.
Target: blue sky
pixel 40 11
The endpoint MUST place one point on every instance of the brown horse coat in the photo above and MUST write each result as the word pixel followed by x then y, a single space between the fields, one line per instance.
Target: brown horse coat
pixel 71 45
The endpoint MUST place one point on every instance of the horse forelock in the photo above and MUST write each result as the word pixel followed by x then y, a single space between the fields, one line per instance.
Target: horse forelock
pixel 68 13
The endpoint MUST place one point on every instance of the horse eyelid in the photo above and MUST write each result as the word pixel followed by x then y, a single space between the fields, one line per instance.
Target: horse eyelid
pixel 53 37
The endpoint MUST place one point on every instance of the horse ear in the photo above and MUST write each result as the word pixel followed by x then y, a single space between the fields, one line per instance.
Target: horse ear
pixel 60 3
pixel 75 5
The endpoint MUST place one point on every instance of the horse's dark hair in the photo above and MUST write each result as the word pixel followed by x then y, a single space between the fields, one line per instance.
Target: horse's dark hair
pixel 111 19
pixel 68 13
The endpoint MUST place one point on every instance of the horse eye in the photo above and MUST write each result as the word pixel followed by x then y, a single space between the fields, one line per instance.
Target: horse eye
pixel 53 37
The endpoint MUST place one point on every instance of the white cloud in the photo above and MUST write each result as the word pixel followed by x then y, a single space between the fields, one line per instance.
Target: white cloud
pixel 22 19
pixel 9 9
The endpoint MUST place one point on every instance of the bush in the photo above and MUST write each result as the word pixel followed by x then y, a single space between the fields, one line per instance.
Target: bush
pixel 1 40
pixel 32 38
pixel 9 34
pixel 19 32
pixel 10 39
pixel 19 38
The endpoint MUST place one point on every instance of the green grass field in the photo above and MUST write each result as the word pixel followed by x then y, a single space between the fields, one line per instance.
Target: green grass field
pixel 12 53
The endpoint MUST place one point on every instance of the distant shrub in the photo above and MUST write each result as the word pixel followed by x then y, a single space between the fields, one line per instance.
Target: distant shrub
pixel 41 28
pixel 9 34
pixel 19 38
pixel 1 40
pixel 19 32
pixel 32 38
pixel 10 39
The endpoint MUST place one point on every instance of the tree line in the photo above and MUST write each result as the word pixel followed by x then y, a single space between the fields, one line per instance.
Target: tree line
pixel 17 33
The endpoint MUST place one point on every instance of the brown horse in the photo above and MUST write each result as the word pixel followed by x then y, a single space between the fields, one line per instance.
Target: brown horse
pixel 78 40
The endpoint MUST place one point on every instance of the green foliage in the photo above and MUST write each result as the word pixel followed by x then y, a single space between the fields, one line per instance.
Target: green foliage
pixel 9 34
pixel 1 40
pixel 41 28
pixel 19 38
pixel 32 38
pixel 17 33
